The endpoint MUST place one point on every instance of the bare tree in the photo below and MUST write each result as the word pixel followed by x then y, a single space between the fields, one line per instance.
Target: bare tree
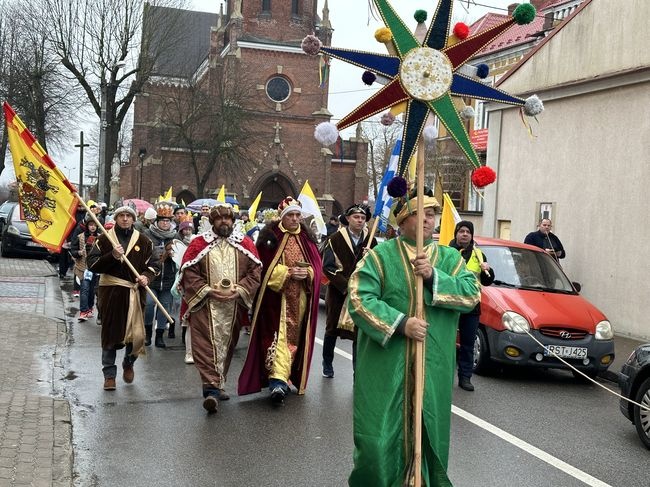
pixel 94 40
pixel 210 121
pixel 381 141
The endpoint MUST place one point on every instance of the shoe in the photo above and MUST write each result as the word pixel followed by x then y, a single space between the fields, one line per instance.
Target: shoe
pixel 210 404
pixel 222 395
pixel 188 358
pixel 465 384
pixel 147 335
pixel 89 313
pixel 75 294
pixel 128 374
pixel 159 342
pixel 171 333
pixel 328 370
pixel 83 316
pixel 109 384
pixel 277 396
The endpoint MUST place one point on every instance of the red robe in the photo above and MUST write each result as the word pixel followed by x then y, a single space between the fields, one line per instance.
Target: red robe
pixel 271 244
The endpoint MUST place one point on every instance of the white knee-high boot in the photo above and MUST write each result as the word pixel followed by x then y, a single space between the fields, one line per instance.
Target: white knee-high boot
pixel 188 347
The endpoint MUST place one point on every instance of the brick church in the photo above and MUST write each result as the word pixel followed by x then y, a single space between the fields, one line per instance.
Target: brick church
pixel 260 42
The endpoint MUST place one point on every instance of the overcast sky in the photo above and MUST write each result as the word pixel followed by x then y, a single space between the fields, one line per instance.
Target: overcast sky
pixel 353 28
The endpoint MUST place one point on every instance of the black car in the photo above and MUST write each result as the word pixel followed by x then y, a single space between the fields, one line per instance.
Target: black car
pixel 635 384
pixel 5 208
pixel 16 239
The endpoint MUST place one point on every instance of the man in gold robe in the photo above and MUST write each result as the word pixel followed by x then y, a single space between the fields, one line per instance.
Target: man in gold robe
pixel 220 274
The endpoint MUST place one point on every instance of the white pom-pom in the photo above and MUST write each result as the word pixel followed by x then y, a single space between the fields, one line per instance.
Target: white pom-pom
pixel 326 133
pixel 430 133
pixel 467 113
pixel 533 106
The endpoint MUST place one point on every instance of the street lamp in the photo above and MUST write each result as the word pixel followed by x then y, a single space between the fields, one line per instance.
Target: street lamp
pixel 141 155
pixel 103 125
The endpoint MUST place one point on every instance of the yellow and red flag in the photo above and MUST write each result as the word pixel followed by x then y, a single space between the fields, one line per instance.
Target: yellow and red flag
pixel 47 200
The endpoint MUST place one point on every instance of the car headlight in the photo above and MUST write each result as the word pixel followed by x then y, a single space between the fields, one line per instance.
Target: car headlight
pixel 604 331
pixel 13 230
pixel 515 322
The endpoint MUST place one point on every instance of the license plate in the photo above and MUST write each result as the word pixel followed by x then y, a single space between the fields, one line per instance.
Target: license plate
pixel 33 244
pixel 566 352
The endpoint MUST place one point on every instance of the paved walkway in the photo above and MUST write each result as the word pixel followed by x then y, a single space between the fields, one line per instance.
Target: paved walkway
pixel 35 425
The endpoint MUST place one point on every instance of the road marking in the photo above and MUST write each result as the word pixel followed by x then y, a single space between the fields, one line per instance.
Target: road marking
pixel 336 350
pixel 513 440
pixel 532 450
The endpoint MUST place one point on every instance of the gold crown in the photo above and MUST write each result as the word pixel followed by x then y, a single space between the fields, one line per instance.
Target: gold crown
pixel 187 218
pixel 164 210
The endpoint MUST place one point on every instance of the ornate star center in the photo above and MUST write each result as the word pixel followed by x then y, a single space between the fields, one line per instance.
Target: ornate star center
pixel 426 74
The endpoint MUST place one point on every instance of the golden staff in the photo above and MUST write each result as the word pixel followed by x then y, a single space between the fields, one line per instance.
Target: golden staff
pixel 418 393
pixel 124 258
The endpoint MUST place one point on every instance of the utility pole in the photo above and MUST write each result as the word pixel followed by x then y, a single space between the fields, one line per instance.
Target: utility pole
pixel 81 146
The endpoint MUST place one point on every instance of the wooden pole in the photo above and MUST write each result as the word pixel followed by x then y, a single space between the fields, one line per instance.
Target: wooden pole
pixel 124 259
pixel 418 393
pixel 373 230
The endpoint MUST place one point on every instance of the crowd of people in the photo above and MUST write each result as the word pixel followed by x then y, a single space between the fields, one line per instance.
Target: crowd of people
pixel 216 273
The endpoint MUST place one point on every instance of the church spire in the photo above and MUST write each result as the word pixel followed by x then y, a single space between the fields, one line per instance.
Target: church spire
pixel 326 17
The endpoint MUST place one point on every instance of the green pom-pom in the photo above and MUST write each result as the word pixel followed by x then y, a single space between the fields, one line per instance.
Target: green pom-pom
pixel 524 14
pixel 420 16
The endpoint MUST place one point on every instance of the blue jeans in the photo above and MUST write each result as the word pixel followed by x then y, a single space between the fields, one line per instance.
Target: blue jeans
pixel 87 293
pixel 108 360
pixel 165 298
pixel 467 326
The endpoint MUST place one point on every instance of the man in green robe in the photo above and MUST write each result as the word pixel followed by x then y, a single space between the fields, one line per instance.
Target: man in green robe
pixel 382 305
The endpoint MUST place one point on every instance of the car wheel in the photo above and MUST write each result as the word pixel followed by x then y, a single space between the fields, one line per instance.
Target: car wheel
pixel 482 362
pixel 642 417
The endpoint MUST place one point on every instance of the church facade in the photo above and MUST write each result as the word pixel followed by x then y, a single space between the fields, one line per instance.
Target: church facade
pixel 256 44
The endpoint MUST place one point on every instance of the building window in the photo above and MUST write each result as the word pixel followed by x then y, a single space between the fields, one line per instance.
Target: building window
pixel 266 6
pixel 294 8
pixel 278 89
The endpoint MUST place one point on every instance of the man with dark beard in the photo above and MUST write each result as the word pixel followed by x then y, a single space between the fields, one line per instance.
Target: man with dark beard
pixel 219 277
pixel 121 295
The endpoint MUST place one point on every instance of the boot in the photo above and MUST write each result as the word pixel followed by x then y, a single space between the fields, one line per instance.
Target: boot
pixel 329 343
pixel 172 329
pixel 147 332
pixel 159 339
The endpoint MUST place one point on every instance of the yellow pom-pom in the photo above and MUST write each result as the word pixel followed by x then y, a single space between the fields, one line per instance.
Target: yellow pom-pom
pixel 383 35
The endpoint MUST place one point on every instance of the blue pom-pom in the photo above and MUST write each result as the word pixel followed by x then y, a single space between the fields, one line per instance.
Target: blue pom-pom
pixel 397 187
pixel 482 70
pixel 368 77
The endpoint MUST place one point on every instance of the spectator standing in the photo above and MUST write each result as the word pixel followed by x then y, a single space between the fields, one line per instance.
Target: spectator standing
pixel 475 262
pixel 546 240
pixel 80 248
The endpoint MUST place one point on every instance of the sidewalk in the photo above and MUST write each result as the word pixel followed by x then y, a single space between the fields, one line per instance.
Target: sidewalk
pixel 35 425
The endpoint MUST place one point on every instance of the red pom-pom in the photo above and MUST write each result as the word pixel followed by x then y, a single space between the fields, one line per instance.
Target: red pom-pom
pixel 461 30
pixel 483 176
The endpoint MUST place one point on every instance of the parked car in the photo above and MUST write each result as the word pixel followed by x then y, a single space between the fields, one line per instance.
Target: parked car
pixel 5 208
pixel 532 294
pixel 634 380
pixel 16 239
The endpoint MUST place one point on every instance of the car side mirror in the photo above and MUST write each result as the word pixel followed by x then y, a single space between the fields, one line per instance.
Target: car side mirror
pixel 577 286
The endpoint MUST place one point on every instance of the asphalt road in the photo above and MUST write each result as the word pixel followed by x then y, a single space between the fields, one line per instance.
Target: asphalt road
pixel 533 428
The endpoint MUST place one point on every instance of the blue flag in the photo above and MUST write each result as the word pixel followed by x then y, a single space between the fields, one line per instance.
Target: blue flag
pixel 384 200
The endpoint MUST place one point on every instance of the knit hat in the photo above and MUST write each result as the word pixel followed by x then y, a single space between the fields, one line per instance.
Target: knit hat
pixel 464 223
pixel 126 208
pixel 150 214
pixel 289 204
pixel 185 224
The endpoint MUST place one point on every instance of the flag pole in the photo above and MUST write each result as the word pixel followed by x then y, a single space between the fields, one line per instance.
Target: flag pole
pixel 373 229
pixel 124 258
pixel 419 313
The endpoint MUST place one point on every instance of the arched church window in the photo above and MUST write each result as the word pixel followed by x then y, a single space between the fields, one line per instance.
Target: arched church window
pixel 266 6
pixel 278 89
pixel 294 8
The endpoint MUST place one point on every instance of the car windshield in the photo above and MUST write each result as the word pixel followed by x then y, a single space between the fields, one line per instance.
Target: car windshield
pixel 523 268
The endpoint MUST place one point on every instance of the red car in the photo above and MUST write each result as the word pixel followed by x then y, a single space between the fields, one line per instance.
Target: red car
pixel 531 293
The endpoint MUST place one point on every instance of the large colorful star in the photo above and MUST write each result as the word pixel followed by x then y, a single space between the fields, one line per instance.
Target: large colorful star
pixel 426 75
